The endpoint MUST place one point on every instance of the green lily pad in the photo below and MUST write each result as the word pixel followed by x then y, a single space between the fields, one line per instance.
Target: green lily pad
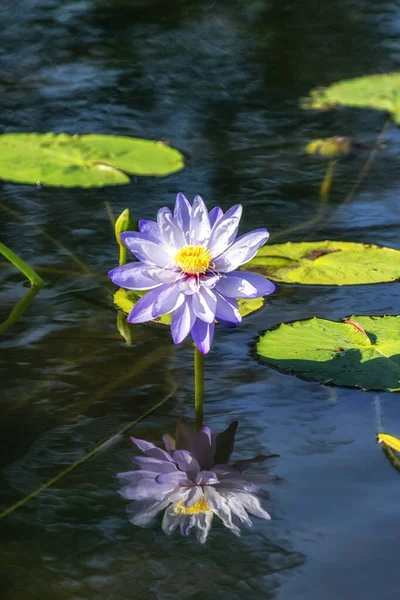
pixel 379 92
pixel 83 160
pixel 327 263
pixel 332 147
pixel 126 300
pixel 360 352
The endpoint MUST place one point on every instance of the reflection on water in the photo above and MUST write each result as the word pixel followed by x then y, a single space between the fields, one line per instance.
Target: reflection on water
pixel 221 82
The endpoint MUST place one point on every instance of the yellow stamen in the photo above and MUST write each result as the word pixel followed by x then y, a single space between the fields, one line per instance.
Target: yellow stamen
pixel 200 506
pixel 193 259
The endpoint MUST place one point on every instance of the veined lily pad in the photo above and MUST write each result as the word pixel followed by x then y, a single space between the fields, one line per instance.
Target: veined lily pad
pixel 379 92
pixel 332 147
pixel 360 352
pixel 126 300
pixel 327 263
pixel 83 160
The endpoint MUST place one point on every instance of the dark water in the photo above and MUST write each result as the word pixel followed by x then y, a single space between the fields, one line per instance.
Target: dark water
pixel 221 81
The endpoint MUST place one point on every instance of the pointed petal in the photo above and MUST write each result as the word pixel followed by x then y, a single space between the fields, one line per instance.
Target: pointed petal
pixel 204 304
pixel 145 511
pixel 243 284
pixel 146 490
pixel 186 462
pixel 241 251
pixel 171 234
pixel 182 213
pixel 143 309
pixel 168 300
pixel 138 475
pixel 182 320
pixel 215 215
pixel 151 449
pixel 149 229
pixel 171 520
pixel 203 448
pixel 184 436
pixel 227 309
pixel 224 444
pixel 252 505
pixel 206 478
pixel 203 523
pixel 147 249
pixel 224 232
pixel 178 478
pixel 194 495
pixel 199 223
pixel 220 507
pixel 202 334
pixel 169 442
pixel 133 276
pixel 154 464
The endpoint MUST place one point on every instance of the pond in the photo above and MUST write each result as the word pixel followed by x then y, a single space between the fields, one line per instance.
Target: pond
pixel 220 81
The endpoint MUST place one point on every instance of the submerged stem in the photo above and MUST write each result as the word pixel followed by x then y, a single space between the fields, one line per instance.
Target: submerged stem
pixel 21 265
pixel 198 387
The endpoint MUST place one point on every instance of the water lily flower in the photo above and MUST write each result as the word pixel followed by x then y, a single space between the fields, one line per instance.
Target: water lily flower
pixel 189 261
pixel 191 481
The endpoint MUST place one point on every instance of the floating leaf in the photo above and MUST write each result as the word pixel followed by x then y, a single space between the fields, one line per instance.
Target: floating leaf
pixel 379 92
pixel 361 352
pixel 332 147
pixel 126 300
pixel 82 160
pixel 327 263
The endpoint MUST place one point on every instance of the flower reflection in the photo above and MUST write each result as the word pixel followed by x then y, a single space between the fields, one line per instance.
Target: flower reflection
pixel 191 481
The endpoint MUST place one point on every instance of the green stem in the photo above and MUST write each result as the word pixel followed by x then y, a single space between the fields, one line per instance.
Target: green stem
pixel 122 255
pixel 198 388
pixel 22 266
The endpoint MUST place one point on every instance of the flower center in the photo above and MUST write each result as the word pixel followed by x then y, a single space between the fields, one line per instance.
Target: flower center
pixel 198 507
pixel 193 259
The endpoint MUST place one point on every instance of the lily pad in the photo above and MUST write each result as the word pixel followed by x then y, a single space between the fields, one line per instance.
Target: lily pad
pixel 126 300
pixel 327 263
pixel 83 160
pixel 360 352
pixel 379 92
pixel 332 147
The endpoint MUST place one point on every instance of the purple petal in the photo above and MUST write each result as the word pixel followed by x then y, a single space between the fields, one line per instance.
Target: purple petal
pixel 199 223
pixel 147 250
pixel 168 300
pixel 171 234
pixel 186 462
pixel 146 490
pixel 151 449
pixel 204 304
pixel 177 478
pixel 154 464
pixel 169 442
pixel 215 215
pixel 184 436
pixel 202 334
pixel 243 284
pixel 138 475
pixel 227 309
pixel 149 229
pixel 182 213
pixel 143 309
pixel 134 276
pixel 206 478
pixel 224 444
pixel 209 281
pixel 182 320
pixel 241 251
pixel 171 520
pixel 225 231
pixel 203 448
